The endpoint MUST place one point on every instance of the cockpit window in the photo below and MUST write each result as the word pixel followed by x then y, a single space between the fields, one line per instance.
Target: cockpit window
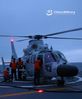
pixel 49 57
pixel 56 56
pixel 61 56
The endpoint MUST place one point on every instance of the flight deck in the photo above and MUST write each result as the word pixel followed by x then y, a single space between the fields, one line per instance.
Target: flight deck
pixel 26 89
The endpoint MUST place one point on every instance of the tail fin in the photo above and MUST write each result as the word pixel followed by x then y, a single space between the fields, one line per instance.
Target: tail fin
pixel 3 63
pixel 14 55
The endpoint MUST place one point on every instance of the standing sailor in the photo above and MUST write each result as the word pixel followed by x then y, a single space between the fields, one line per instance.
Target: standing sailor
pixel 13 66
pixel 37 71
pixel 20 67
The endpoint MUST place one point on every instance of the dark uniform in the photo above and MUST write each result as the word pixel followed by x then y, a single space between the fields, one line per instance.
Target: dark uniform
pixel 13 66
pixel 37 70
pixel 20 67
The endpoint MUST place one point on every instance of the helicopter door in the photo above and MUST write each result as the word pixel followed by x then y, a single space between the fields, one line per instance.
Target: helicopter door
pixel 50 64
pixel 30 65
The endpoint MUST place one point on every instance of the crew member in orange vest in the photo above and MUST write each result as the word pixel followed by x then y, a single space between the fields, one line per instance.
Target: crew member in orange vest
pixel 6 75
pixel 37 70
pixel 20 67
pixel 13 66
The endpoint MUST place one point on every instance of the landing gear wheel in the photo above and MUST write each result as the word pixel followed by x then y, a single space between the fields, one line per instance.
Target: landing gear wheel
pixel 60 82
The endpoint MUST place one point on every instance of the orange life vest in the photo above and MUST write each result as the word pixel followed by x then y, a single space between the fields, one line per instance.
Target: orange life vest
pixel 20 64
pixel 6 73
pixel 13 65
pixel 37 65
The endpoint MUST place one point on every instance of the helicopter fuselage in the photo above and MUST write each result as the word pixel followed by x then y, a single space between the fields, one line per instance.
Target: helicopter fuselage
pixel 50 59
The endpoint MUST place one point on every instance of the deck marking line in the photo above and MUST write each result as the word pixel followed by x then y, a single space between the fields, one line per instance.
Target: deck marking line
pixel 16 94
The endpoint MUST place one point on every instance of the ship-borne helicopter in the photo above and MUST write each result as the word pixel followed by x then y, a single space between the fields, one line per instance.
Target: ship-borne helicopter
pixel 54 63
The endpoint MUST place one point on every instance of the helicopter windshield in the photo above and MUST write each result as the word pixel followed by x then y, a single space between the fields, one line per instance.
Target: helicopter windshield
pixel 61 56
pixel 49 57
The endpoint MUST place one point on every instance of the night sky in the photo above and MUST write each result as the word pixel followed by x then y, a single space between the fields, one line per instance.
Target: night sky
pixel 30 17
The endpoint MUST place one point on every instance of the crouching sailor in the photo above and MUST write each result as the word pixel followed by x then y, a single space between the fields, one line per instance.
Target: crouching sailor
pixel 6 75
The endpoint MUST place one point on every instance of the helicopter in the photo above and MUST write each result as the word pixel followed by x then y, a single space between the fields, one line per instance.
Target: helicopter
pixel 54 63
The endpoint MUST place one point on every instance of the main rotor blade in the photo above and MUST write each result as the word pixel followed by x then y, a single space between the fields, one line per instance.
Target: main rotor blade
pixel 22 40
pixel 62 32
pixel 15 36
pixel 65 38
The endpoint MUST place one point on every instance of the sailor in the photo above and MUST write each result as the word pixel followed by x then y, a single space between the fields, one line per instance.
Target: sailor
pixel 6 75
pixel 13 66
pixel 20 68
pixel 37 70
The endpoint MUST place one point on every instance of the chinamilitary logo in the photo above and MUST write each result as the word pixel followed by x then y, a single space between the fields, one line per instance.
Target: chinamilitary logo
pixel 49 12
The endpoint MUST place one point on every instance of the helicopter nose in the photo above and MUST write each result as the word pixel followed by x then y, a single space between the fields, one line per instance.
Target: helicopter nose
pixel 67 70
